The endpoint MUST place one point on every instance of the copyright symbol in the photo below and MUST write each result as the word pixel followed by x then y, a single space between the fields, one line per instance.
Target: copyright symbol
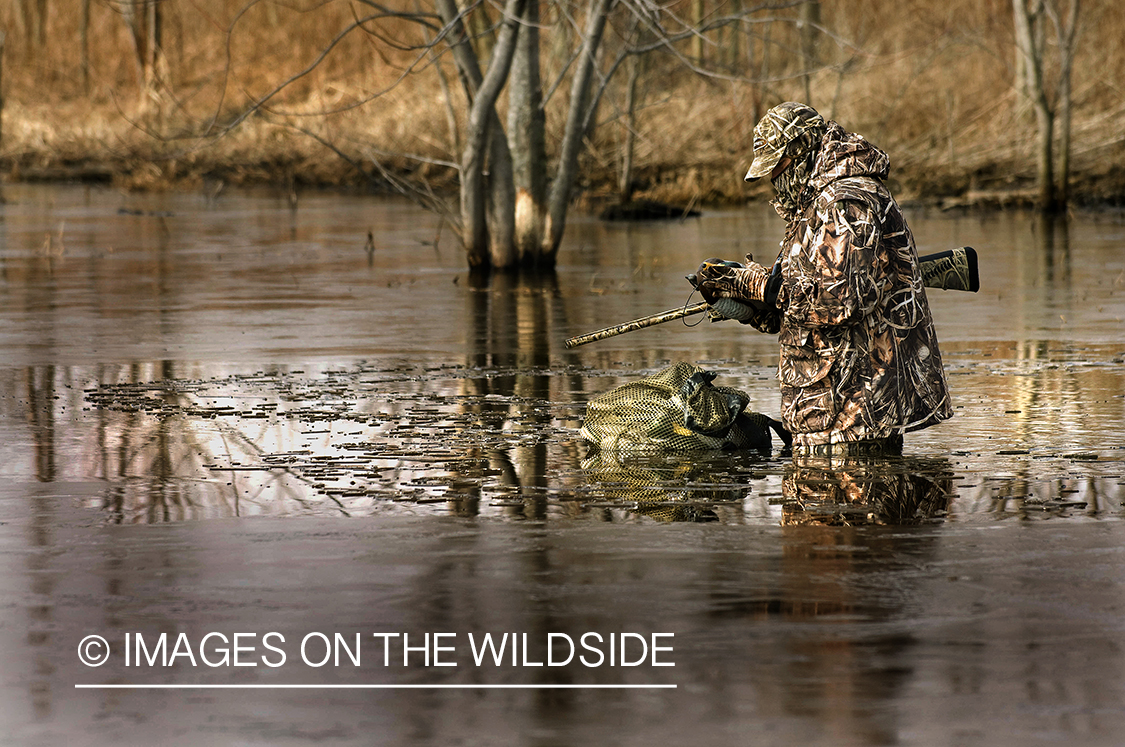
pixel 93 651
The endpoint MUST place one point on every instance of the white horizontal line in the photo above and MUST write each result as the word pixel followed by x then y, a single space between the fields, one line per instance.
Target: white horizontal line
pixel 365 687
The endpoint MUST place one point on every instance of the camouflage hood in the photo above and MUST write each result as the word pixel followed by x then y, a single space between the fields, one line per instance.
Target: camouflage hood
pixel 841 154
pixel 844 153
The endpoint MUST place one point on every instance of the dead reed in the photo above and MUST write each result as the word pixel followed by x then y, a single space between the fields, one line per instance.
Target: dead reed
pixel 930 81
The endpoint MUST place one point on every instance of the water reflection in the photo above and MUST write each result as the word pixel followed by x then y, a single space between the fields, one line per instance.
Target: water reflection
pixel 508 322
pixel 252 357
pixel 248 356
pixel 849 491
pixel 328 439
pixel 41 420
pixel 836 620
pixel 1052 253
pixel 847 652
pixel 815 491
pixel 695 487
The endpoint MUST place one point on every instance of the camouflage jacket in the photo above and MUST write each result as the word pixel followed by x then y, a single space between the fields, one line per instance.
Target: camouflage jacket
pixel 859 354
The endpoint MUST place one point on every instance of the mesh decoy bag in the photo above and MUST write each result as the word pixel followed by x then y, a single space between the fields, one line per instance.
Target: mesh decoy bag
pixel 676 409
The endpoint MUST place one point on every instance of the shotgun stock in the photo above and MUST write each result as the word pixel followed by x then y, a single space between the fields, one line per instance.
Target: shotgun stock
pixel 955 269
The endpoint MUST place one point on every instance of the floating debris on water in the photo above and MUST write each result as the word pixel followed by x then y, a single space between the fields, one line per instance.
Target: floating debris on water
pixel 461 439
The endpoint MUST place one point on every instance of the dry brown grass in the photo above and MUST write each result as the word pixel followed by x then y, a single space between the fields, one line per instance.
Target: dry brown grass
pixel 928 80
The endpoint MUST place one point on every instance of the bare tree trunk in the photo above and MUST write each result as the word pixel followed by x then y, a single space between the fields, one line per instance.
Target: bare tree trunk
pixel 501 196
pixel 84 41
pixel 625 182
pixel 559 199
pixel 1036 40
pixel 732 49
pixel 21 22
pixel 1 89
pixel 526 130
pixel 1032 55
pixel 145 23
pixel 1052 161
pixel 154 28
pixel 764 90
pixel 1067 31
pixel 443 81
pixel 487 211
pixel 31 22
pixel 810 43
pixel 41 24
pixel 1062 165
pixel 129 13
pixel 755 90
pixel 474 229
pixel 1044 156
pixel 480 26
pixel 37 25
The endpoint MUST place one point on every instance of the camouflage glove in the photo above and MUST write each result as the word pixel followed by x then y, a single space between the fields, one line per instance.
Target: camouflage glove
pixel 717 279
pixel 723 308
pixel 763 316
pixel 755 314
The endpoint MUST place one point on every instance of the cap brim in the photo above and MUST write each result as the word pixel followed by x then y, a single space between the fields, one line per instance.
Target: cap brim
pixel 762 166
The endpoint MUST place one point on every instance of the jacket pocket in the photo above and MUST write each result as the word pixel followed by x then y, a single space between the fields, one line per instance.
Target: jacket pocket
pixel 801 366
pixel 808 390
pixel 809 409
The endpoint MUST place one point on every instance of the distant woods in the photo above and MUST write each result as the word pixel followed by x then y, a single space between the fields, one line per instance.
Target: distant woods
pixel 520 106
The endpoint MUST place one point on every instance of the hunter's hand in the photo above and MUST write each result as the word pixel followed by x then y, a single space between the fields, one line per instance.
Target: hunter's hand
pixel 716 279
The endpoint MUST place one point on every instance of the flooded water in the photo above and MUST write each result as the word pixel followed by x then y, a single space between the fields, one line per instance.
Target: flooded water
pixel 241 415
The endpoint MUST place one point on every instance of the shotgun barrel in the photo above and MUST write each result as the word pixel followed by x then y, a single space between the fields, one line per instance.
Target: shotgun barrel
pixel 955 269
pixel 645 321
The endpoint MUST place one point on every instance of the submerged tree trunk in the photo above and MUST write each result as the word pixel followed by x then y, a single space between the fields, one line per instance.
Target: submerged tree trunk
pixel 474 230
pixel 526 128
pixel 559 199
pixel 501 208
pixel 487 208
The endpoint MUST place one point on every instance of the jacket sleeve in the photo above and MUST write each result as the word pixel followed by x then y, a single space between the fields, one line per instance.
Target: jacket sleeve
pixel 833 276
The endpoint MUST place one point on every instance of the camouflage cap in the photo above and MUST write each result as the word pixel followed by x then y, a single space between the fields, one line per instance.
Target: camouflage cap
pixel 779 127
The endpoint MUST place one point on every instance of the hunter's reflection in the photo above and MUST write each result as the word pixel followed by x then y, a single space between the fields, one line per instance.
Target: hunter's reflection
pixel 824 612
pixel 831 510
pixel 848 491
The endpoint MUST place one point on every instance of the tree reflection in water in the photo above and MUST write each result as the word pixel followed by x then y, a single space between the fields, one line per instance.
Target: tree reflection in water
pixel 388 435
pixel 508 350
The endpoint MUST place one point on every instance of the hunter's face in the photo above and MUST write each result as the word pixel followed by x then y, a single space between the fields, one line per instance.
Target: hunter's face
pixel 781 166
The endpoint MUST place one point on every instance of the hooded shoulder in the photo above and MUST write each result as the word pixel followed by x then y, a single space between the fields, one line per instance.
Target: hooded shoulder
pixel 845 154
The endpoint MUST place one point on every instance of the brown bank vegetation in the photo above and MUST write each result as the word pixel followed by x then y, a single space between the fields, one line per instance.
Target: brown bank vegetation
pixel 153 93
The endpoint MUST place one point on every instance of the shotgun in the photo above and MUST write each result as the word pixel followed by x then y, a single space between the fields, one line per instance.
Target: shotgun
pixel 955 269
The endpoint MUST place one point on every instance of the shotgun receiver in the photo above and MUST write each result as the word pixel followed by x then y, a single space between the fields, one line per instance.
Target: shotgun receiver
pixel 955 269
